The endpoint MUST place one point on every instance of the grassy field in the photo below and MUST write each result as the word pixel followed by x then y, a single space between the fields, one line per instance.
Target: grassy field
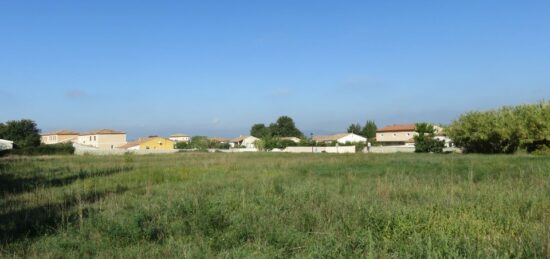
pixel 275 205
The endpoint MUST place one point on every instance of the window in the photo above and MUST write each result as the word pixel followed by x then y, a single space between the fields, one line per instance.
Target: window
pixel 394 134
pixel 90 138
pixel 94 138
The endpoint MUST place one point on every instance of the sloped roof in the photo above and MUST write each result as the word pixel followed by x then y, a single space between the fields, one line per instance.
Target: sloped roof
pixel 398 127
pixel 60 132
pixel 334 137
pixel 102 132
pixel 241 138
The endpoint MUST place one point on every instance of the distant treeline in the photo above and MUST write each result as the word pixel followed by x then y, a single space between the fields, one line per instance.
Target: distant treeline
pixel 505 130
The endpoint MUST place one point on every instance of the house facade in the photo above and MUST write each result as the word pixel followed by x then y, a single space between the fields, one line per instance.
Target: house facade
pixel 60 136
pixel 396 135
pixel 243 141
pixel 180 137
pixel 150 143
pixel 102 139
pixel 341 138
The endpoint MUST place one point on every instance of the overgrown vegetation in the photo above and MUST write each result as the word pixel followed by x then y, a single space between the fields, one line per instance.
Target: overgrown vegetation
pixel 425 142
pixel 275 206
pixel 201 143
pixel 504 130
pixel 24 133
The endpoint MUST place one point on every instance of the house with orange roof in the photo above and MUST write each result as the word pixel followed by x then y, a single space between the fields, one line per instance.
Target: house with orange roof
pixel 60 136
pixel 396 135
pixel 102 139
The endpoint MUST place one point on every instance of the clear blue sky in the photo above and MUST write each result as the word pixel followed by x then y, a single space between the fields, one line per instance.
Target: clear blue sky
pixel 217 67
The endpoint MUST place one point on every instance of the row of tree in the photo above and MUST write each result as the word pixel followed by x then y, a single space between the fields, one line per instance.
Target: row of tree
pixel 368 131
pixel 24 133
pixel 283 127
pixel 504 130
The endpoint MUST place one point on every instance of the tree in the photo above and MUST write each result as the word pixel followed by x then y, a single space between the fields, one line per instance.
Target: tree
pixel 285 127
pixel 425 142
pixel 24 133
pixel 355 129
pixel 260 131
pixel 369 130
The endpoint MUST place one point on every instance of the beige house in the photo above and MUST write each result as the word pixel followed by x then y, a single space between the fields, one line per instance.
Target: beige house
pixel 180 137
pixel 396 135
pixel 341 138
pixel 243 141
pixel 102 139
pixel 60 136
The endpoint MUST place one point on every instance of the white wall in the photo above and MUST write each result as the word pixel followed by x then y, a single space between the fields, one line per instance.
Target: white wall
pixel 339 150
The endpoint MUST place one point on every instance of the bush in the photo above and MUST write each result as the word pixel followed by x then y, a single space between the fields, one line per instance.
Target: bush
pixel 504 130
pixel 54 149
pixel 425 142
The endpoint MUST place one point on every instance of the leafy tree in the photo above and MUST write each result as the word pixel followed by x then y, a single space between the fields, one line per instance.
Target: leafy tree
pixel 285 127
pixel 355 129
pixel 425 142
pixel 369 130
pixel 24 133
pixel 260 131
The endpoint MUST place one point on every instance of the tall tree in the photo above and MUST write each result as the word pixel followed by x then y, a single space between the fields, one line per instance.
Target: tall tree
pixel 23 133
pixel 369 130
pixel 355 129
pixel 260 131
pixel 285 127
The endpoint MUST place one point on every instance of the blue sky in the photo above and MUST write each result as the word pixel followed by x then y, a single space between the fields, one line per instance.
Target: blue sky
pixel 216 67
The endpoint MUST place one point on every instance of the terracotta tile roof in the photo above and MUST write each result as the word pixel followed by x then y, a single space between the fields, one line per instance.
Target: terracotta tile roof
pixel 102 132
pixel 60 132
pixel 334 137
pixel 398 127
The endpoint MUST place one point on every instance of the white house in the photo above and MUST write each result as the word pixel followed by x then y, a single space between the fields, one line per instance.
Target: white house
pixel 341 138
pixel 6 144
pixel 243 141
pixel 180 137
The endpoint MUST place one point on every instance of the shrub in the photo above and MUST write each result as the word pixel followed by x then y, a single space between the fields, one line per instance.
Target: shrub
pixel 503 130
pixel 53 149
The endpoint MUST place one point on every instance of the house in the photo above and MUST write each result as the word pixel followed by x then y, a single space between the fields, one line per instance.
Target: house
pixel 150 143
pixel 6 144
pixel 293 139
pixel 218 140
pixel 396 135
pixel 243 141
pixel 341 138
pixel 60 136
pixel 102 139
pixel 180 137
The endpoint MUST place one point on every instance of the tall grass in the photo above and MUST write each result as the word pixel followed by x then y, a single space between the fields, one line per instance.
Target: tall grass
pixel 275 205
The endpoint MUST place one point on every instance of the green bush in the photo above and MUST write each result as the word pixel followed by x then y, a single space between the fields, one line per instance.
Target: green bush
pixel 53 149
pixel 504 130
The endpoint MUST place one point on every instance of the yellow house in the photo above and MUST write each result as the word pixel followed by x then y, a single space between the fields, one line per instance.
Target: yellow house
pixel 150 143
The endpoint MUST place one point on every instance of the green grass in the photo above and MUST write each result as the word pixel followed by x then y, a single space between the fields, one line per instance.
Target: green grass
pixel 275 205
